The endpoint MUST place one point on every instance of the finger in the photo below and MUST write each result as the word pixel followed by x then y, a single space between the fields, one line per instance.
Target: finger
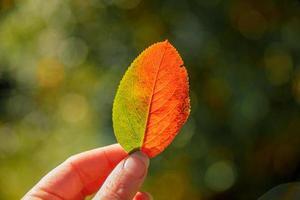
pixel 126 179
pixel 78 176
pixel 143 196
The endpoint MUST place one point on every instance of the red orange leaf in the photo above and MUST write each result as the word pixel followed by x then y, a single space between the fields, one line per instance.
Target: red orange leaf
pixel 152 101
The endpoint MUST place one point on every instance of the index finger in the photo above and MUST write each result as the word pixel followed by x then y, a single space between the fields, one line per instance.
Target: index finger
pixel 79 176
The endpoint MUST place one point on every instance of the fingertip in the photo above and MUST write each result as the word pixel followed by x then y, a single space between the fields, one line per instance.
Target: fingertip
pixel 143 157
pixel 126 179
pixel 137 164
pixel 143 196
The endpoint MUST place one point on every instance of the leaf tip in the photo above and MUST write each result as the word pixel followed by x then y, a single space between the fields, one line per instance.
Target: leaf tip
pixel 166 43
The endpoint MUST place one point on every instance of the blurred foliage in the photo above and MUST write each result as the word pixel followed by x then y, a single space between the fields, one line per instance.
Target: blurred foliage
pixel 61 61
pixel 289 191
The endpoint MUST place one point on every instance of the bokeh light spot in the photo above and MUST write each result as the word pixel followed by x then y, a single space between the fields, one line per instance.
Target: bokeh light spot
pixel 72 52
pixel 290 33
pixel 73 108
pixel 50 73
pixel 48 42
pixel 220 176
pixel 278 65
pixel 252 24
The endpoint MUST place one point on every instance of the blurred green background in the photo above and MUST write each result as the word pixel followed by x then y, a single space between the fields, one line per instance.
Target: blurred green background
pixel 61 62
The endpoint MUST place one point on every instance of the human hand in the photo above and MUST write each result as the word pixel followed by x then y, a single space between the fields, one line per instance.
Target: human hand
pixel 118 175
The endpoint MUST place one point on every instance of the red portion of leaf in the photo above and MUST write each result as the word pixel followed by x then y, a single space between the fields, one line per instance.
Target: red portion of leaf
pixel 169 102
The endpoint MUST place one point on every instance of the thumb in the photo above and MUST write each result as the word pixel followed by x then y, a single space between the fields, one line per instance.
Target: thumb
pixel 126 179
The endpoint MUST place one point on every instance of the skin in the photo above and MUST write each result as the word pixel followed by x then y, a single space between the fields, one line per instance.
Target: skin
pixel 107 172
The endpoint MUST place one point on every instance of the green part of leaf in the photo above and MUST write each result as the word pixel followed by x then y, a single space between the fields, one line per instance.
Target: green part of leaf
pixel 130 109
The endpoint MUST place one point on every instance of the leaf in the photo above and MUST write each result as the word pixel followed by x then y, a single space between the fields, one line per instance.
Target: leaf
pixel 290 191
pixel 152 102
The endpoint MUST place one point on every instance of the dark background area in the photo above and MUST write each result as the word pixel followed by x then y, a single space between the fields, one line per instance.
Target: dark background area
pixel 61 62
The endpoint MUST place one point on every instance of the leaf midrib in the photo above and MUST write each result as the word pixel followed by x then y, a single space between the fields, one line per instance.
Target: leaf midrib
pixel 152 94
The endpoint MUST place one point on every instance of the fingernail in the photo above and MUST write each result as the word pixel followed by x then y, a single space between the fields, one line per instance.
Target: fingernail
pixel 137 164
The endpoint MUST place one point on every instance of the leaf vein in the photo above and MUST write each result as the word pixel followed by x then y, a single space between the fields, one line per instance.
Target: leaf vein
pixel 153 89
pixel 164 103
pixel 162 118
